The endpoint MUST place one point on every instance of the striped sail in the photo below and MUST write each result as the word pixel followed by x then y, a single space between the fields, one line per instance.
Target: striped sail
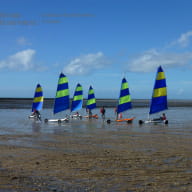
pixel 62 95
pixel 91 101
pixel 38 98
pixel 124 98
pixel 159 97
pixel 77 101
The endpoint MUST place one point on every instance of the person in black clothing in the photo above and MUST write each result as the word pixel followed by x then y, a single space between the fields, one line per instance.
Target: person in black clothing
pixel 37 114
pixel 102 111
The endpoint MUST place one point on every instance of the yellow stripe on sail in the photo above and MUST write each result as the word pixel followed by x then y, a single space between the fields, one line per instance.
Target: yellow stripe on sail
pixel 38 99
pixel 160 92
pixel 160 76
pixel 38 89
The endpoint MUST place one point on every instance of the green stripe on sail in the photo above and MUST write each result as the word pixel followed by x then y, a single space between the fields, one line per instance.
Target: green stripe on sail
pixel 124 85
pixel 91 91
pixel 62 93
pixel 80 88
pixel 78 97
pixel 91 101
pixel 124 99
pixel 62 80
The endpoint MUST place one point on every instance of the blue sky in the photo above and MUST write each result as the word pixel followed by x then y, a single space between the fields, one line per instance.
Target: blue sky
pixel 95 42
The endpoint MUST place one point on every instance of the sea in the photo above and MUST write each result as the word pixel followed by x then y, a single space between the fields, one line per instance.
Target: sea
pixel 14 119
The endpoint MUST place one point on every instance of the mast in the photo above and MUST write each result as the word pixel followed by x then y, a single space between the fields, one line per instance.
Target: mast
pixel 124 97
pixel 159 96
pixel 77 98
pixel 62 95
pixel 38 98
pixel 91 101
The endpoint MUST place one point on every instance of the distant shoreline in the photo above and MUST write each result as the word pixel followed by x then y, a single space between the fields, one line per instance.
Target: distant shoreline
pixel 49 102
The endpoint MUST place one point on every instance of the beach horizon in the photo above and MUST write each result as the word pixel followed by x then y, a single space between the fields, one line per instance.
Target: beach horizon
pixel 8 102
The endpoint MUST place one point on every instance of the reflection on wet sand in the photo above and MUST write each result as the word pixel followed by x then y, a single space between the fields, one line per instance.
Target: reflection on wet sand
pixel 104 161
pixel 91 155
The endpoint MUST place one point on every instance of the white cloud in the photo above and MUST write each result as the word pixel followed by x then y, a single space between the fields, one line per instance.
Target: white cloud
pixel 20 61
pixel 23 41
pixel 184 39
pixel 86 64
pixel 149 60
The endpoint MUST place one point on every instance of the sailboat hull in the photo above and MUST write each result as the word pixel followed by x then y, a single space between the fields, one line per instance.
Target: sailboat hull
pixel 56 120
pixel 76 116
pixel 95 116
pixel 128 119
pixel 153 121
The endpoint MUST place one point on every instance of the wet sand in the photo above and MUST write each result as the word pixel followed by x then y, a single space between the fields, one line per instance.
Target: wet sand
pixel 104 161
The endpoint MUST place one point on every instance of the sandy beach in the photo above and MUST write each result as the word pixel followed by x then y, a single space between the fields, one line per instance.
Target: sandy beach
pixel 103 161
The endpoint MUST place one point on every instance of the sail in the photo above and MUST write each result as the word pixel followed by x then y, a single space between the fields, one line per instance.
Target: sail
pixel 77 101
pixel 62 95
pixel 124 98
pixel 91 101
pixel 38 98
pixel 159 97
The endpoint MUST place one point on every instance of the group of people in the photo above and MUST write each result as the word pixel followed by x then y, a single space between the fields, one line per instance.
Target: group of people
pixel 119 116
pixel 37 114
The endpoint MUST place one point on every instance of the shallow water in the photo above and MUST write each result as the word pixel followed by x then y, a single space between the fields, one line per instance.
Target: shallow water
pixel 16 122
pixel 91 155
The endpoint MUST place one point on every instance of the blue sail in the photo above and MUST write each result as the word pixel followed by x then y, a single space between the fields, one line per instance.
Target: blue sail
pixel 91 101
pixel 38 98
pixel 77 101
pixel 62 95
pixel 159 97
pixel 124 98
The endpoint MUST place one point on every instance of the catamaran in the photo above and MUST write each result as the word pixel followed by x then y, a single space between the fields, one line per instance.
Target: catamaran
pixel 77 101
pixel 124 103
pixel 37 103
pixel 159 98
pixel 61 99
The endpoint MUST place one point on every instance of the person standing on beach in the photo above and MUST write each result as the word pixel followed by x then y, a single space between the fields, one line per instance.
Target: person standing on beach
pixel 102 111
pixel 115 110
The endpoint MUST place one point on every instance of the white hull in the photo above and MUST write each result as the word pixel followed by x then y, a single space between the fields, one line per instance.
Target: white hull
pixel 153 122
pixel 156 121
pixel 76 116
pixel 34 117
pixel 56 120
